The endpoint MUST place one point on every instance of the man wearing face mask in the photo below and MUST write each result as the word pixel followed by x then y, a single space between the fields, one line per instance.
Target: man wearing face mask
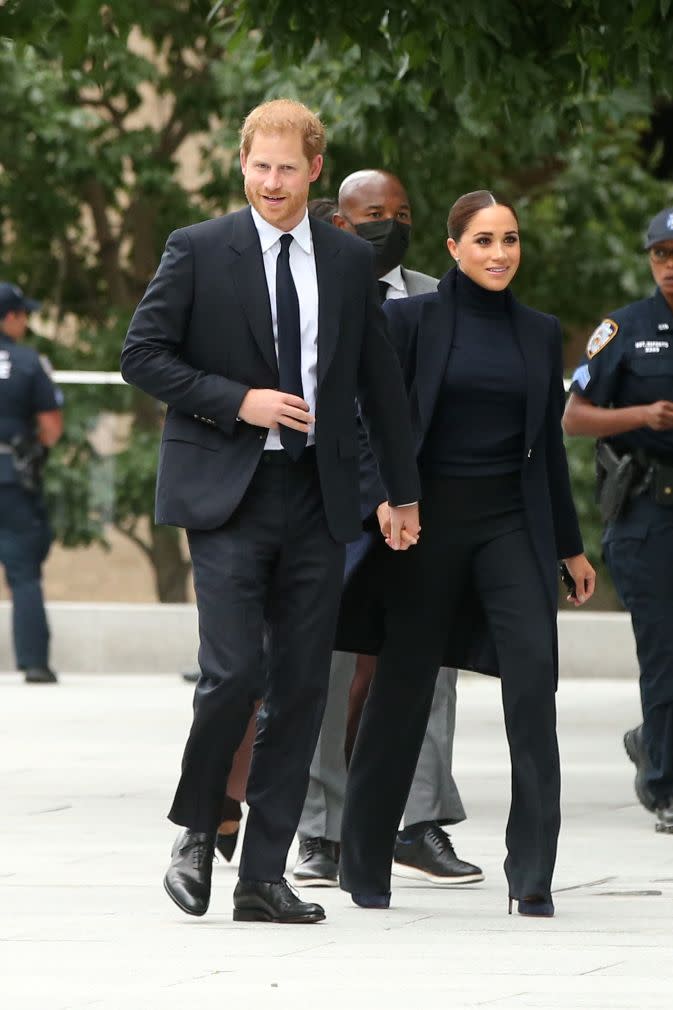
pixel 374 205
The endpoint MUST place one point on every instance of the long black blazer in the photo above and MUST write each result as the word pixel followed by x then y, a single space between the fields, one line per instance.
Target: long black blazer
pixel 202 336
pixel 422 329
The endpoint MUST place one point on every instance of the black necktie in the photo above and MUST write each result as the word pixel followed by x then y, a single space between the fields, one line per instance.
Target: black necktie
pixel 289 343
pixel 383 290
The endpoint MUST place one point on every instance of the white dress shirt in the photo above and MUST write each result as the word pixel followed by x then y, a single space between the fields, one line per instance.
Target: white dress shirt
pixel 397 288
pixel 302 266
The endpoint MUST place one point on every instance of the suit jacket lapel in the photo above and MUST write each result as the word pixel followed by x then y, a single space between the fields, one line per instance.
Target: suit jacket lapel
pixel 534 351
pixel 247 271
pixel 329 294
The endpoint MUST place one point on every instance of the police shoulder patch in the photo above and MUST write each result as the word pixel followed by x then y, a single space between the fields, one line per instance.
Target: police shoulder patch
pixel 46 365
pixel 601 336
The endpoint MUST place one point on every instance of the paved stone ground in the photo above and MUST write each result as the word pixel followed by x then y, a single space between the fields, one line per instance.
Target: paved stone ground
pixel 88 769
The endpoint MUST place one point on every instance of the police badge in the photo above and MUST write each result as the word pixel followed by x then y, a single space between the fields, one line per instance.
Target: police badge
pixel 601 336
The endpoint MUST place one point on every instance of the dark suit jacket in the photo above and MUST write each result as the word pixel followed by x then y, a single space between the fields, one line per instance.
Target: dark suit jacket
pixel 421 329
pixel 202 336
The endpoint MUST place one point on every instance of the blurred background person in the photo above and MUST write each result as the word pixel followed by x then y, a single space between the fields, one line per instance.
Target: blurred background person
pixel 622 395
pixel 484 377
pixel 374 205
pixel 323 207
pixel 30 422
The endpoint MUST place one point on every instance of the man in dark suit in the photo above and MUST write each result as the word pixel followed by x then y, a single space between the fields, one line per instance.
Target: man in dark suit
pixel 259 330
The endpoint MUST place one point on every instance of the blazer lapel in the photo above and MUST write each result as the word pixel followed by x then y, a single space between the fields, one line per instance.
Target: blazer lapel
pixel 435 337
pixel 249 277
pixel 329 295
pixel 534 351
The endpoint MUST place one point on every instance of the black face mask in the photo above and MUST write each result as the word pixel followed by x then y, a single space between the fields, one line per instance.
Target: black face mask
pixel 390 239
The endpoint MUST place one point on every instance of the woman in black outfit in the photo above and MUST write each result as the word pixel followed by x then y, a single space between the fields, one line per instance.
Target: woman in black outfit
pixel 479 591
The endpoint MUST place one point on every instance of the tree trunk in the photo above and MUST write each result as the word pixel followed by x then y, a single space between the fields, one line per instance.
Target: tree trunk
pixel 171 569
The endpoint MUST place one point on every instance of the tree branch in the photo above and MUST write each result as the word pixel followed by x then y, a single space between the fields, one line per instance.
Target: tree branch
pixel 104 102
pixel 129 531
pixel 180 126
pixel 95 195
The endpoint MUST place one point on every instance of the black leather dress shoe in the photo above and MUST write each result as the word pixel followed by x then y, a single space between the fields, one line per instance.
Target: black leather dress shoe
pixel 189 875
pixel 261 901
pixel 40 675
pixel 317 863
pixel 635 748
pixel 432 857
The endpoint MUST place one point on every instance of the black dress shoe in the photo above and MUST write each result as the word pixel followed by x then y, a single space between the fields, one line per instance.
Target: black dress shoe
pixel 431 856
pixel 40 675
pixel 189 875
pixel 191 676
pixel 317 863
pixel 261 901
pixel 635 748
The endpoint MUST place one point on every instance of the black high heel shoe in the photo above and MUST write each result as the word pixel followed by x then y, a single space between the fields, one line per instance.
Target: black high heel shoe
pixel 226 845
pixel 534 906
pixel 371 900
pixel 225 842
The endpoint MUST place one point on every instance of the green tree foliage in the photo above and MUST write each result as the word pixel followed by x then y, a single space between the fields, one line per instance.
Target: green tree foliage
pixel 546 102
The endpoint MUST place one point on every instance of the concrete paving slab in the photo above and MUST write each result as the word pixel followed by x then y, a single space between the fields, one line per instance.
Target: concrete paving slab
pixel 88 769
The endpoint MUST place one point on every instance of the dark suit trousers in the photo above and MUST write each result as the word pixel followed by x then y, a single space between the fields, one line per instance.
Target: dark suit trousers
pixel 472 531
pixel 273 561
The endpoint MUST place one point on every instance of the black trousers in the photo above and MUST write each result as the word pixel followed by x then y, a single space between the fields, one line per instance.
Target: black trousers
pixel 25 539
pixel 273 562
pixel 638 551
pixel 473 530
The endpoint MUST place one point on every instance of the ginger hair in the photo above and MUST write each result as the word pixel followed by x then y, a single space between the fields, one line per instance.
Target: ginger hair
pixel 283 115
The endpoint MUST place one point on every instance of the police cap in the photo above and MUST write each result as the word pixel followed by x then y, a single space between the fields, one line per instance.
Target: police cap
pixel 12 299
pixel 660 228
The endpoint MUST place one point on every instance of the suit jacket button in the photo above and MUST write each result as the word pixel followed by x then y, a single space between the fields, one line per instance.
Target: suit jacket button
pixel 530 453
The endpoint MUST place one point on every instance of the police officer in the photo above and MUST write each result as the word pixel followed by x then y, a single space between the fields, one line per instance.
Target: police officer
pixel 622 394
pixel 30 420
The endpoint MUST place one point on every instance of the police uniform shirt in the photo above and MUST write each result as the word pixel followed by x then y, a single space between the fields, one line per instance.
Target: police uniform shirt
pixel 25 390
pixel 628 362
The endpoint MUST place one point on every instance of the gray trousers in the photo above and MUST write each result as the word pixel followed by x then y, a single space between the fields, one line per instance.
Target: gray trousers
pixel 434 795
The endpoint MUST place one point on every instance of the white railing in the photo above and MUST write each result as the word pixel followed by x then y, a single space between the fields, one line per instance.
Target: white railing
pixel 73 378
pixel 115 379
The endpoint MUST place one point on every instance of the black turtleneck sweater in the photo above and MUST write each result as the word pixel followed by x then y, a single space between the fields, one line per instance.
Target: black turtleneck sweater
pixel 477 429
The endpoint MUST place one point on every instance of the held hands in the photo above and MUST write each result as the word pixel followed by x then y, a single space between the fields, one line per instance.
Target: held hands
pixel 658 416
pixel 267 408
pixel 584 576
pixel 399 525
